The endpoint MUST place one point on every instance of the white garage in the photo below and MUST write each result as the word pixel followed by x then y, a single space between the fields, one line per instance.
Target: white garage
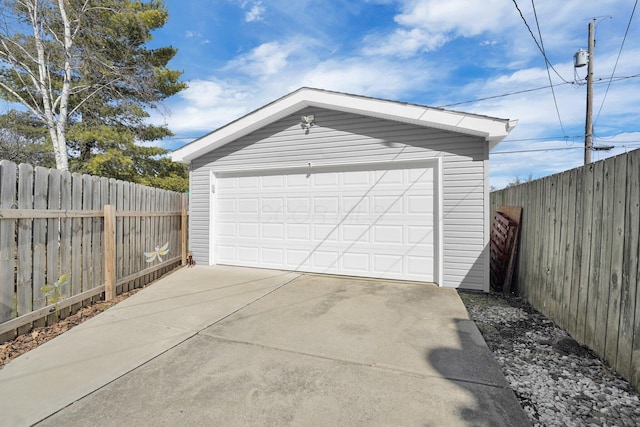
pixel 326 182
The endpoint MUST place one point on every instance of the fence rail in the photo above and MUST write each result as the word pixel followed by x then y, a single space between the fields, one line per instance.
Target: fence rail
pixel 96 230
pixel 578 255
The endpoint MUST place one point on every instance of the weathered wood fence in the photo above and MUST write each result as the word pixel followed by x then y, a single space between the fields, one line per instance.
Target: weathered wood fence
pixel 93 229
pixel 578 255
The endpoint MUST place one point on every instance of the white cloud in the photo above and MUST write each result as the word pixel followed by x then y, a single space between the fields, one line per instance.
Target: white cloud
pixel 403 42
pixel 363 76
pixel 196 35
pixel 265 60
pixel 206 105
pixel 255 13
pixel 464 17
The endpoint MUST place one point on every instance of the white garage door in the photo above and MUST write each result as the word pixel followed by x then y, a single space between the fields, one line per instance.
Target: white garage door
pixel 365 221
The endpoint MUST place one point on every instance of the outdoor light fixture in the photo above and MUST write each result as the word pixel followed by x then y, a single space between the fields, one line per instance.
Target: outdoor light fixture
pixel 307 122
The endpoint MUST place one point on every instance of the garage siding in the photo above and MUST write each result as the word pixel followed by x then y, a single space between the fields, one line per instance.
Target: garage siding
pixel 199 212
pixel 343 138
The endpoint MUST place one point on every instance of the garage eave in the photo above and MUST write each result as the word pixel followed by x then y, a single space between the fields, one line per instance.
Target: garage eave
pixel 490 129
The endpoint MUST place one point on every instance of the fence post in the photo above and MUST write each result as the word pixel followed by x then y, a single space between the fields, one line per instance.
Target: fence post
pixel 183 230
pixel 109 252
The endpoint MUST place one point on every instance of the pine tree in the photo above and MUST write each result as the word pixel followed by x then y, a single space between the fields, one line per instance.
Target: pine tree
pixel 82 68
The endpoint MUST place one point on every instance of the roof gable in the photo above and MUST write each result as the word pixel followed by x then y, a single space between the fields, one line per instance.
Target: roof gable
pixel 490 129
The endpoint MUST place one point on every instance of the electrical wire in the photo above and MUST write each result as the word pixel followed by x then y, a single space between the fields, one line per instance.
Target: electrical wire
pixel 536 150
pixel 617 59
pixel 553 92
pixel 537 44
pixel 625 145
pixel 616 79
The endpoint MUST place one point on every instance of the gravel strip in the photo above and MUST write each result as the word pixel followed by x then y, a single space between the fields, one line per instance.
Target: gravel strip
pixel 558 382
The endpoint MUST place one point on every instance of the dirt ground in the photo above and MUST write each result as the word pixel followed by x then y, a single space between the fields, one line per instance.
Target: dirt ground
pixel 9 350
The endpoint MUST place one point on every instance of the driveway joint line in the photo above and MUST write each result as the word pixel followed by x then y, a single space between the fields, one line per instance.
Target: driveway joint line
pixel 355 363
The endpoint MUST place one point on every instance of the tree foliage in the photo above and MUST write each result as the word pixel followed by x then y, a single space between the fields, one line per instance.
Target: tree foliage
pixel 24 141
pixel 83 70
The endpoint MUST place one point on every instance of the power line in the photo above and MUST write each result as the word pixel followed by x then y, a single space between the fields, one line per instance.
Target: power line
pixel 617 79
pixel 617 59
pixel 622 145
pixel 537 44
pixel 553 92
pixel 535 150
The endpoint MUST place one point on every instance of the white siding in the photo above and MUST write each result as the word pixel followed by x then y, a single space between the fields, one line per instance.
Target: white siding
pixel 199 203
pixel 343 138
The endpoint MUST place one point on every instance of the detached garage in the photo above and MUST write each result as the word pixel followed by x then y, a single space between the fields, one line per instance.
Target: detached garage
pixel 328 182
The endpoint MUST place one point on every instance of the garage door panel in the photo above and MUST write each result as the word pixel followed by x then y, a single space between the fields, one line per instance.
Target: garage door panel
pixel 297 258
pixel 226 205
pixel 388 204
pixel 325 180
pixel 418 234
pixel 227 229
pixel 387 264
pixel 272 182
pixel 354 205
pixel 388 234
pixel 248 254
pixel 326 205
pixel 325 232
pixel 273 231
pixel 389 177
pixel 356 262
pixel 325 260
pixel 248 230
pixel 297 181
pixel 375 223
pixel 248 183
pixel 272 256
pixel 352 233
pixel 419 266
pixel 355 178
pixel 248 206
pixel 299 232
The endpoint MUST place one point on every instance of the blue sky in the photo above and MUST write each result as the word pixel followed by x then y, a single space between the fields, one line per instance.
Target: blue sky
pixel 238 55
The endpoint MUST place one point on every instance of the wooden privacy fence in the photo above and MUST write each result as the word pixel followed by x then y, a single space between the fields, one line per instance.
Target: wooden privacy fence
pixel 95 230
pixel 578 255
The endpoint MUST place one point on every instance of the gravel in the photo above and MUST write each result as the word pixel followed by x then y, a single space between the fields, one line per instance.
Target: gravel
pixel 558 382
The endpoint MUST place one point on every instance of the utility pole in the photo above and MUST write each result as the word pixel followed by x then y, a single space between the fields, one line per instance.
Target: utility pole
pixel 588 127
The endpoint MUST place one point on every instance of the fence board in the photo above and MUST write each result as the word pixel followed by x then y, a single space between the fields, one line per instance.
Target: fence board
pixel 7 236
pixel 568 229
pixel 97 233
pixel 40 200
pixel 601 282
pixel 76 236
pixel 554 276
pixel 578 241
pixel 614 277
pixel 126 234
pixel 87 204
pixel 65 235
pixel 629 281
pixel 53 227
pixel 118 187
pixel 587 209
pixel 594 260
pixel 53 232
pixel 25 233
pixel 137 256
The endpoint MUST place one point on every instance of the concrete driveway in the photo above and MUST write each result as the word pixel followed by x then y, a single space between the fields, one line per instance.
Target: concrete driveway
pixel 237 346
